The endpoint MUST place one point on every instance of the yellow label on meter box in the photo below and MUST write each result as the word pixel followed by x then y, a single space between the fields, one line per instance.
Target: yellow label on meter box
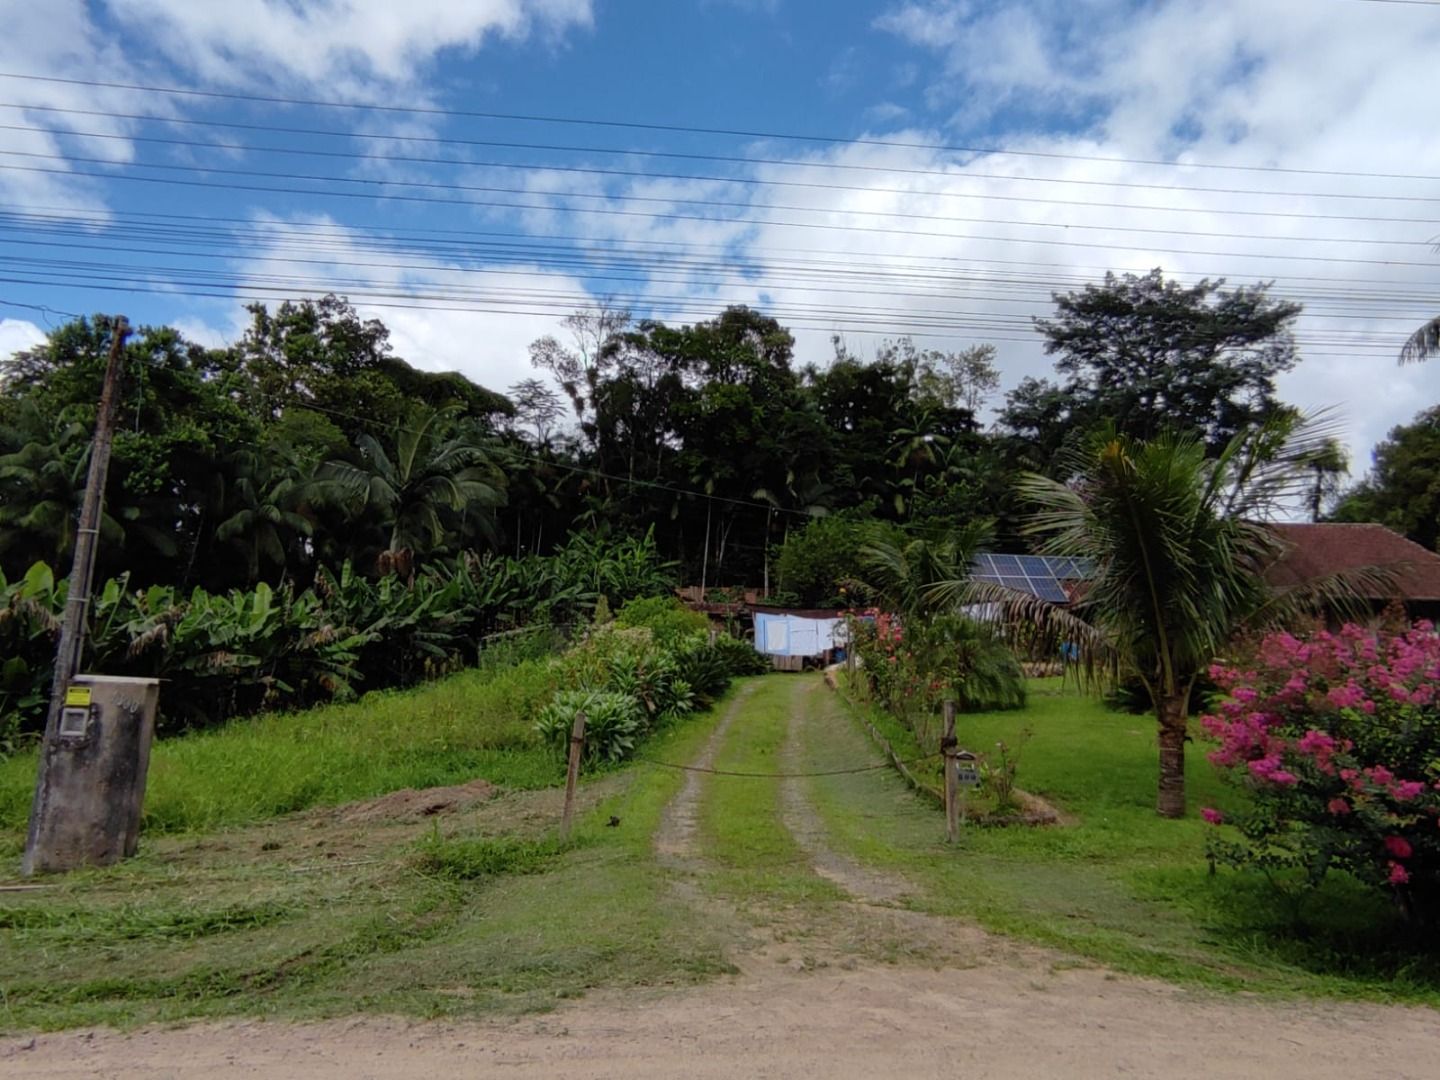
pixel 77 695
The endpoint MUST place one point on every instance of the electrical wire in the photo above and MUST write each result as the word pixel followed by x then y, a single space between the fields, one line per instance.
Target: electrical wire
pixel 655 216
pixel 631 125
pixel 968 174
pixel 719 204
pixel 310 151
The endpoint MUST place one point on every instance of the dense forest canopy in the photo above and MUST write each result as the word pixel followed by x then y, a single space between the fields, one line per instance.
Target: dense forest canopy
pixel 310 444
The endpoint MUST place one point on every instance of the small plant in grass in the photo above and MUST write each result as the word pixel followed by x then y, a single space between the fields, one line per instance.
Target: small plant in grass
pixel 613 723
pixel 1336 737
pixel 999 770
pixel 479 857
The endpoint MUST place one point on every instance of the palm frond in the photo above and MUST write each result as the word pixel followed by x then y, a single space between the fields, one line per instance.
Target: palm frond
pixel 1422 344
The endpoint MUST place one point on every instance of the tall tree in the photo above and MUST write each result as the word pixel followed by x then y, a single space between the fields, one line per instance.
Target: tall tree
pixel 1402 490
pixel 262 518
pixel 1149 355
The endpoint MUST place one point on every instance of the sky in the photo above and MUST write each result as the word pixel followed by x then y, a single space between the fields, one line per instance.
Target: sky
pixel 471 172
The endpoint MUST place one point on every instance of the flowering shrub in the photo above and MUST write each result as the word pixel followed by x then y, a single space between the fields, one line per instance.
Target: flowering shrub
pixel 911 668
pixel 1337 738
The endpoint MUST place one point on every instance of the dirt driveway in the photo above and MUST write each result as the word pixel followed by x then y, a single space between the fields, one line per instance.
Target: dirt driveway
pixel 998 1020
pixel 962 1003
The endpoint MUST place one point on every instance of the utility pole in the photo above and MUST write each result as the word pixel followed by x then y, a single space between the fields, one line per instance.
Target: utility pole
pixel 949 747
pixel 82 569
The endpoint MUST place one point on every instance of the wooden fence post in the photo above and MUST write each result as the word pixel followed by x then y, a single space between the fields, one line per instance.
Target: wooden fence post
pixel 948 746
pixel 572 775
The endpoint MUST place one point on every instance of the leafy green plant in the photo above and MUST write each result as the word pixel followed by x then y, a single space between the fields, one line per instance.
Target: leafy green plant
pixel 614 722
pixel 740 656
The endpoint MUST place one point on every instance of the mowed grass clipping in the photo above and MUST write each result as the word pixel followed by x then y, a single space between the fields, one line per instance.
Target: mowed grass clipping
pixel 1118 885
pixel 474 724
pixel 481 913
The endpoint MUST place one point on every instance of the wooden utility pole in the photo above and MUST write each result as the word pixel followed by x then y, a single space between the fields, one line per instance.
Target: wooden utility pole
pixel 74 622
pixel 948 747
pixel 572 775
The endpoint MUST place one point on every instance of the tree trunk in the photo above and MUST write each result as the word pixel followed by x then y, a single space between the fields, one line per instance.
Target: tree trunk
pixel 1171 713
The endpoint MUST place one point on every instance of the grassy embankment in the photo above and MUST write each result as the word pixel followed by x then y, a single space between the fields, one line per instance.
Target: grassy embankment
pixel 1118 885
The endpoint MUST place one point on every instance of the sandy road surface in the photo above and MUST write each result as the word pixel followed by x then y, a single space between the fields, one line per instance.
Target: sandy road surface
pixel 991 1021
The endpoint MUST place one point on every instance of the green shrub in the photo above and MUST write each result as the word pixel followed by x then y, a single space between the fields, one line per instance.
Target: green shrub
pixel 665 617
pixel 703 667
pixel 614 723
pixel 587 665
pixel 740 656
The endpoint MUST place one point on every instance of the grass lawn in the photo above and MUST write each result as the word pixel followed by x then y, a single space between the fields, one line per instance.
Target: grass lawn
pixel 470 724
pixel 1120 885
pixel 310 915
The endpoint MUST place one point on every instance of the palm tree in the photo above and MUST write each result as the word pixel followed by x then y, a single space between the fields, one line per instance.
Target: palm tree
pixel 42 483
pixel 1179 546
pixel 264 519
pixel 925 572
pixel 432 467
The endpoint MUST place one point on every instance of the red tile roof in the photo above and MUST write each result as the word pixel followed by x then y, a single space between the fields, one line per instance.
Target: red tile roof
pixel 1322 549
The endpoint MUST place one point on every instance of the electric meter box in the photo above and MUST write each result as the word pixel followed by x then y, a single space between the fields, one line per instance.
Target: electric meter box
pixel 92 786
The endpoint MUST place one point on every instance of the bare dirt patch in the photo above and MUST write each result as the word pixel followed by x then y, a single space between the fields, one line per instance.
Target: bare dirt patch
pixel 410 803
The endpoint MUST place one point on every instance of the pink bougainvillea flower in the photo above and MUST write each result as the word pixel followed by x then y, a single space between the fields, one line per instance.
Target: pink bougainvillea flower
pixel 1398 874
pixel 1408 789
pixel 1398 846
pixel 1339 807
pixel 1213 816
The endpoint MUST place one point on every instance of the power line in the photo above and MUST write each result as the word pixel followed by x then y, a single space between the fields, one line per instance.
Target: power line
pixel 529 245
pixel 672 200
pixel 45 309
pixel 334 283
pixel 301 151
pixel 418 110
pixel 967 174
pixel 610 211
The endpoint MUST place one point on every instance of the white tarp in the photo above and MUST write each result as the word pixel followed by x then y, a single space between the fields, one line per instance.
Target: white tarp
pixel 793 635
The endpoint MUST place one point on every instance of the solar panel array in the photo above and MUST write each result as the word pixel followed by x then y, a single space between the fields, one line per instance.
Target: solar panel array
pixel 1038 575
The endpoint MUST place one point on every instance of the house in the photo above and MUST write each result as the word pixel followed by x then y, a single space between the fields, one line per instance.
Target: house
pixel 1320 550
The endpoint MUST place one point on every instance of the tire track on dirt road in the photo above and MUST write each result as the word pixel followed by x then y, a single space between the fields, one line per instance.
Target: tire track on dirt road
pixel 863 883
pixel 675 839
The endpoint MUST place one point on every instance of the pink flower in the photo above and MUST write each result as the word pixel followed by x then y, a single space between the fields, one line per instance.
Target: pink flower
pixel 1408 789
pixel 1398 846
pixel 1338 807
pixel 1213 816
pixel 1398 874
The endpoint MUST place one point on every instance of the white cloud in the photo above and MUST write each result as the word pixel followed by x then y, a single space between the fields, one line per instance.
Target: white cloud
pixel 338 44
pixel 17 335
